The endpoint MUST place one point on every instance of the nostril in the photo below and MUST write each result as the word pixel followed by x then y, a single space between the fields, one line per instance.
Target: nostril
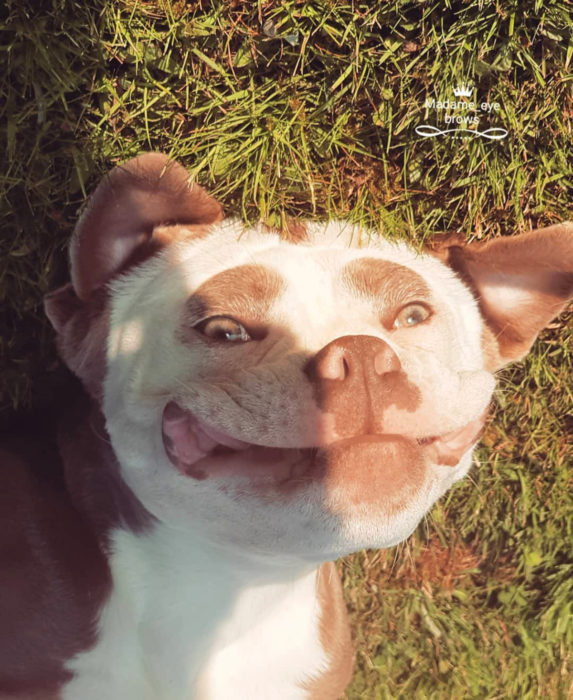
pixel 386 361
pixel 330 363
pixel 333 365
pixel 351 359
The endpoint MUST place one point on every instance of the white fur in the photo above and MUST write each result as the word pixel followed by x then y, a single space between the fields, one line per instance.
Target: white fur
pixel 188 620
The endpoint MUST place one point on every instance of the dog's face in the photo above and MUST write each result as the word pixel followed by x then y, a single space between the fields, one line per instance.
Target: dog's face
pixel 289 397
pixel 298 399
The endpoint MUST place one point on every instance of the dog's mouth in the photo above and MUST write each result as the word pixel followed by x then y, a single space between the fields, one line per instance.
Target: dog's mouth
pixel 200 450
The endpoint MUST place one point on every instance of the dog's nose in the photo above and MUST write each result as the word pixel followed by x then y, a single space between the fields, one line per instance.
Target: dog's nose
pixel 353 358
pixel 354 378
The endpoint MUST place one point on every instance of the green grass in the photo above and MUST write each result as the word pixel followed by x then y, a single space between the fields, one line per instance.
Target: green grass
pixel 309 109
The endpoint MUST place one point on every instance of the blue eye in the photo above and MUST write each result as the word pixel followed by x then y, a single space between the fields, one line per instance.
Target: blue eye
pixel 225 329
pixel 411 315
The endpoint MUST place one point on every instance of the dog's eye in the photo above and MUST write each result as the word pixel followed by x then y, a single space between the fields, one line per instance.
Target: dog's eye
pixel 223 328
pixel 411 315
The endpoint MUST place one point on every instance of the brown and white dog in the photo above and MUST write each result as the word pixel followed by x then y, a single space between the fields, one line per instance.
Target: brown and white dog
pixel 258 404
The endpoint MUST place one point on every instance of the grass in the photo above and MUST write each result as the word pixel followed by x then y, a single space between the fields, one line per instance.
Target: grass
pixel 309 109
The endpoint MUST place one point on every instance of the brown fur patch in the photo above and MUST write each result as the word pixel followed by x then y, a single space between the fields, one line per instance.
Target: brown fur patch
pixel 385 284
pixel 438 245
pixel 383 472
pixel 54 574
pixel 334 637
pixel 295 231
pixel 246 293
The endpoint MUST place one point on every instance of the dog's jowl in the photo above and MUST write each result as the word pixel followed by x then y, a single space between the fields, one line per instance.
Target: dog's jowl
pixel 253 405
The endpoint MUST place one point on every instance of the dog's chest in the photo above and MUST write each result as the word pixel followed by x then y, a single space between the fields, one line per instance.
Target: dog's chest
pixel 277 650
pixel 180 628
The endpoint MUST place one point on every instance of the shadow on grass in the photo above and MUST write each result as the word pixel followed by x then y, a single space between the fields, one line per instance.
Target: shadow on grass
pixel 53 54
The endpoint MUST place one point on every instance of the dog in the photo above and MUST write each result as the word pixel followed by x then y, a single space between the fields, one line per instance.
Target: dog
pixel 255 404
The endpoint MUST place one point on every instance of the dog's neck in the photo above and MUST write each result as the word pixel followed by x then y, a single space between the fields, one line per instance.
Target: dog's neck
pixel 184 603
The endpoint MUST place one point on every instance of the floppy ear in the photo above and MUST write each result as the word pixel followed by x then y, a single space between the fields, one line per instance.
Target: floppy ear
pixel 521 283
pixel 118 227
pixel 121 216
pixel 122 225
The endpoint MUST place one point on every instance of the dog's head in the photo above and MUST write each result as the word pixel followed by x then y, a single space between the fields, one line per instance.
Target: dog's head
pixel 303 394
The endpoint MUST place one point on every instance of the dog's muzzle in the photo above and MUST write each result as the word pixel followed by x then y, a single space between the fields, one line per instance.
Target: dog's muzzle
pixel 353 380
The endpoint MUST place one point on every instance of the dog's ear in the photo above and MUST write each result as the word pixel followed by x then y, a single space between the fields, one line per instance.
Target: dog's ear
pixel 126 220
pixel 521 283
pixel 117 227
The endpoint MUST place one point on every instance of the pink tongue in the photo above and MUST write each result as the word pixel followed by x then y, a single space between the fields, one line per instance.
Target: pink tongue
pixel 187 439
pixel 183 446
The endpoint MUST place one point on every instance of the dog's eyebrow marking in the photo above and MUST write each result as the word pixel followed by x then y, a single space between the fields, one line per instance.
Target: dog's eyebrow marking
pixel 246 292
pixel 384 282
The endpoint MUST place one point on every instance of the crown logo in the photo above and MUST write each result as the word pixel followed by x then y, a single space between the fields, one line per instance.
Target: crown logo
pixel 463 90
